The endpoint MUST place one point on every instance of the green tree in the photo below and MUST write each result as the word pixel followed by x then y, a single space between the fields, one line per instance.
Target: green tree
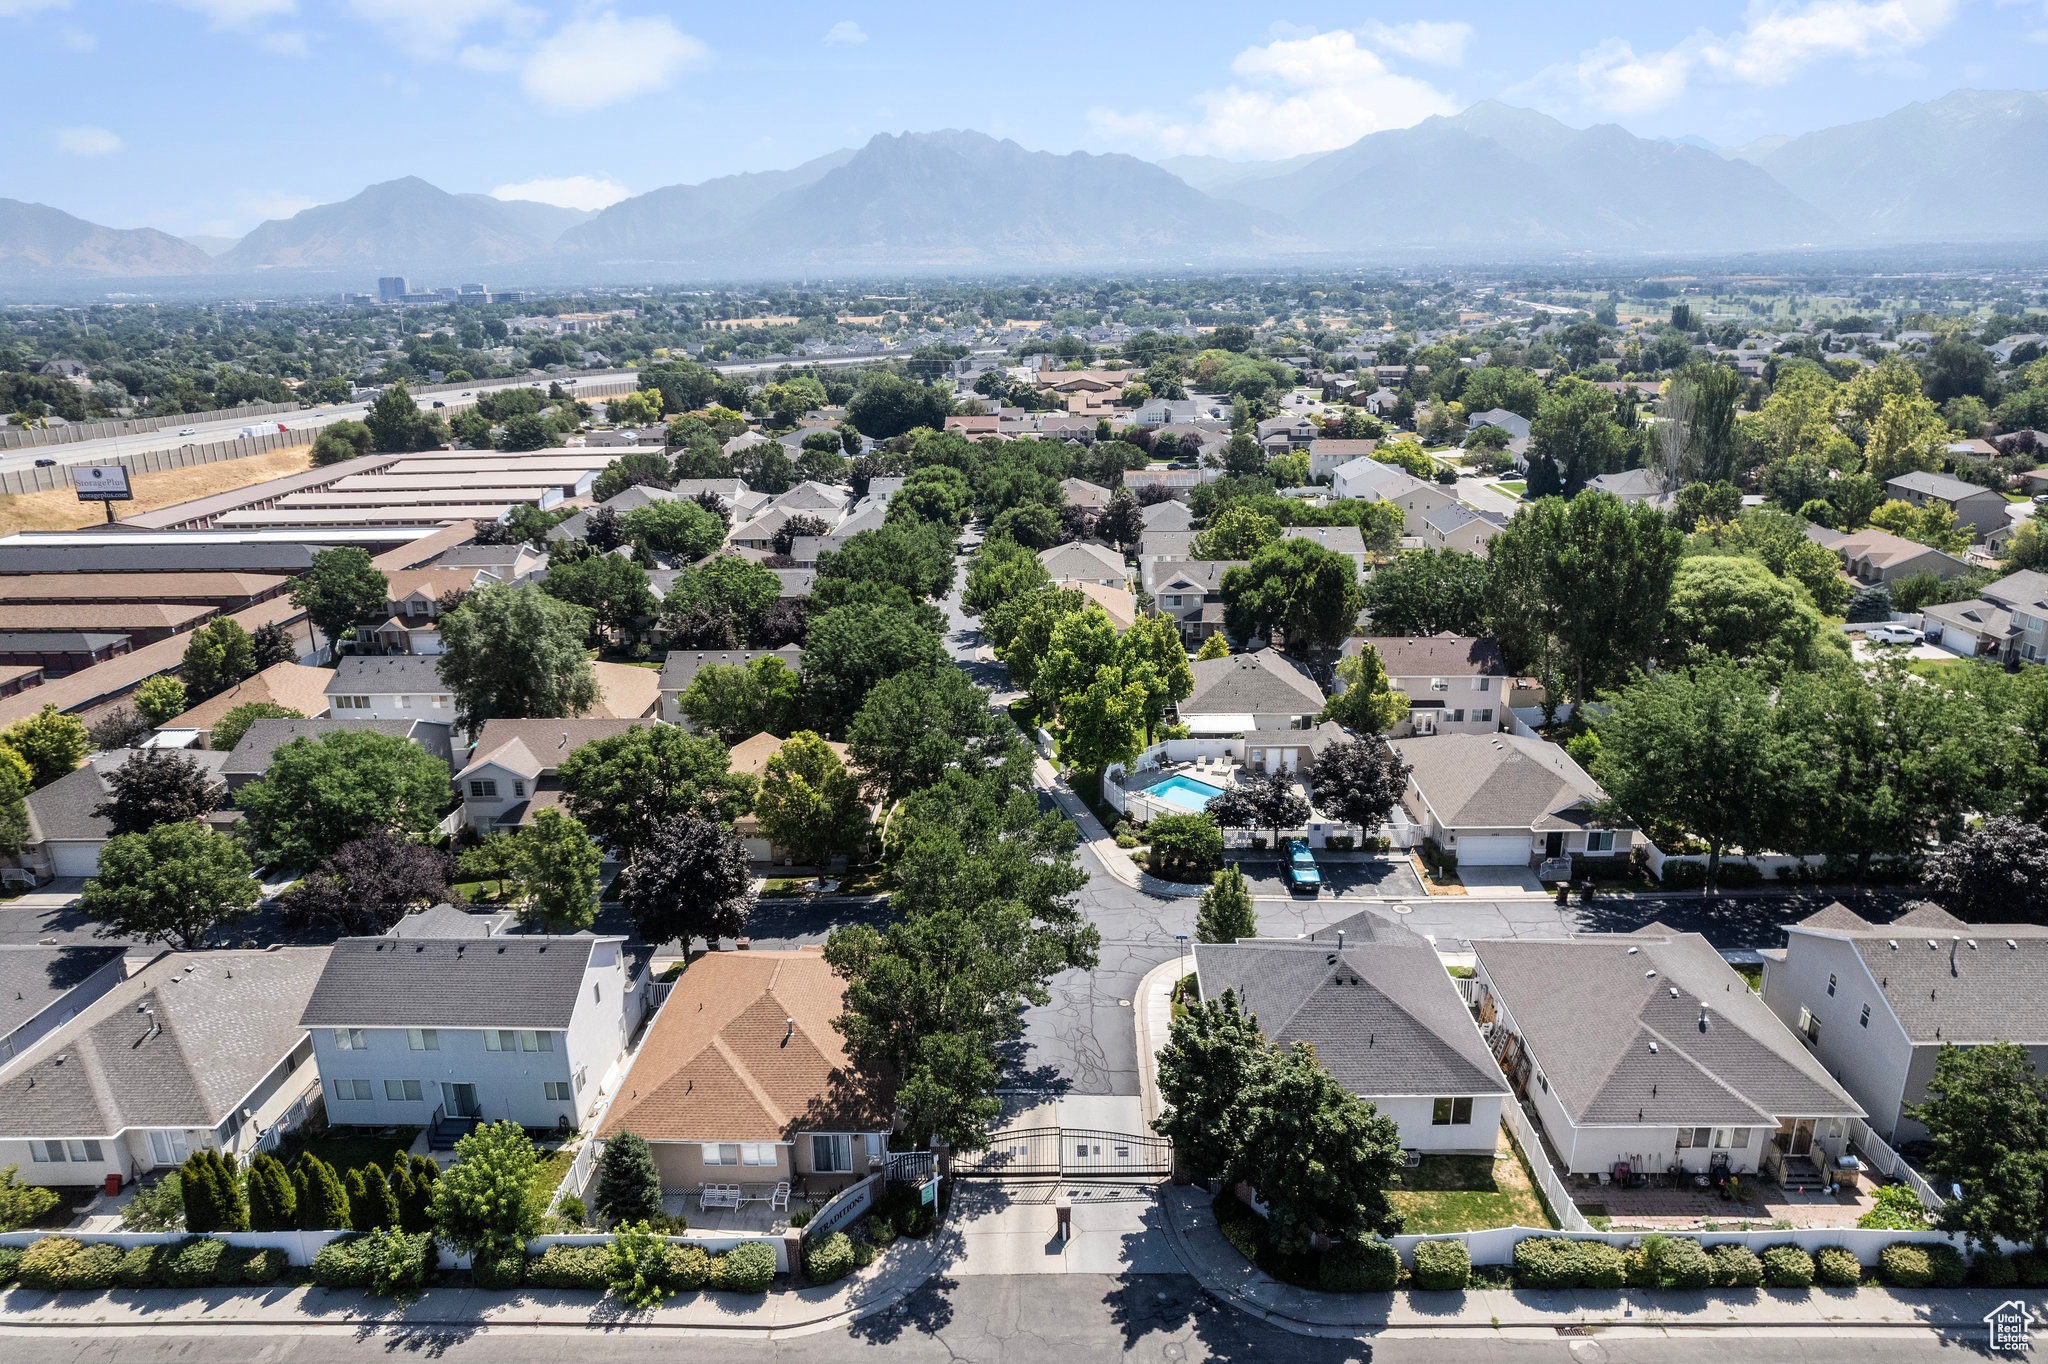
pixel 173 883
pixel 1736 608
pixel 493 858
pixel 628 1182
pixel 160 698
pixel 1577 590
pixel 1215 646
pixel 1236 532
pixel 1264 802
pixel 612 592
pixel 1908 434
pixel 229 729
pixel 1359 781
pixel 557 873
pixel 1703 755
pixel 1152 654
pixel 1034 526
pixel 1105 722
pixel 272 645
pixel 1368 704
pixel 887 406
pixel 1933 525
pixel 1226 913
pixel 516 652
pixel 1702 402
pixel 1996 872
pixel 622 786
pixel 738 701
pixel 321 794
pixel 320 1198
pixel 915 555
pixel 1575 429
pixel 396 423
pixel 1320 1158
pixel 936 493
pixel 1022 629
pixel 213 1196
pixel 692 880
pixel 1428 592
pixel 1001 571
pixel 14 829
pixel 1309 593
pixel 1986 1116
pixel 913 727
pixel 158 786
pixel 341 440
pixel 339 589
pixel 738 587
pixel 272 1204
pixel 1082 645
pixel 809 803
pixel 681 528
pixel 851 649
pixel 21 1204
pixel 1184 848
pixel 483 1203
pixel 217 655
pixel 1213 1066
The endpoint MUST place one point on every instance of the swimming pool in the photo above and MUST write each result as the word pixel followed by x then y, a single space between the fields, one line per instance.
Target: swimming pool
pixel 1185 792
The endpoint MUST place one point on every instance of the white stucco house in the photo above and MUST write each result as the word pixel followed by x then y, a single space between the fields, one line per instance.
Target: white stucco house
pixel 389 687
pixel 1499 800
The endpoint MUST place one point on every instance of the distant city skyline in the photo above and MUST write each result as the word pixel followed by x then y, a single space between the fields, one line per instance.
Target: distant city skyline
pixel 205 117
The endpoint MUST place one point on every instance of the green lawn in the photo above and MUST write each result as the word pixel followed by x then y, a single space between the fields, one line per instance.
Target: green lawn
pixel 1752 973
pixel 1930 667
pixel 785 887
pixel 481 892
pixel 548 1174
pixel 1469 1193
pixel 347 1153
pixel 1513 487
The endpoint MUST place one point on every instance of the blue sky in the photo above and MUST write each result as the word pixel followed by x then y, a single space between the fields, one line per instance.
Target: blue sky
pixel 207 116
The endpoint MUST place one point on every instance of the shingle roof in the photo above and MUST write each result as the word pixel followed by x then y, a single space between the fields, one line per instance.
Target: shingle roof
pixel 33 977
pixel 252 755
pixel 450 921
pixel 56 641
pixel 1381 481
pixel 1166 516
pixel 2026 588
pixel 1082 560
pixel 1337 539
pixel 63 810
pixel 1948 981
pixel 1598 1014
pixel 744 1050
pixel 301 688
pixel 224 1020
pixel 625 690
pixel 515 981
pixel 1497 781
pixel 1262 683
pixel 157 587
pixel 546 741
pixel 388 674
pixel 1382 1014
pixel 1166 544
pixel 225 556
pixel 682 664
pixel 127 616
pixel 1443 655
pixel 1936 485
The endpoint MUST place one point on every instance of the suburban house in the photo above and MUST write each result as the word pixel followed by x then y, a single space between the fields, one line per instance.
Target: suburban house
pixel 1646 1049
pixel 820 500
pixel 1116 602
pixel 1387 1021
pixel 1974 505
pixel 1165 546
pixel 1632 485
pixel 1499 800
pixel 410 622
pixel 743 1080
pixel 44 987
pixel 512 769
pixel 394 687
pixel 1081 493
pixel 1327 454
pixel 1169 515
pixel 1081 562
pixel 1265 697
pixel 1372 481
pixel 449 1031
pixel 65 836
pixel 1191 592
pixel 1345 540
pixel 2025 594
pixel 1514 423
pixel 292 685
pixel 1871 555
pixel 195 1050
pixel 1455 684
pixel 1381 402
pixel 625 691
pixel 1285 434
pixel 751 757
pixel 502 563
pixel 251 758
pixel 682 667
pixel 1972 629
pixel 1876 1003
pixel 1460 527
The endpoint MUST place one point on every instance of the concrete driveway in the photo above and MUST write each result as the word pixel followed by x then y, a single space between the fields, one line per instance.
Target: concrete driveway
pixel 1012 1227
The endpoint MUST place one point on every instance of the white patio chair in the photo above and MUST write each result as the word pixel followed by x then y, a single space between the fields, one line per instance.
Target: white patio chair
pixel 780 1201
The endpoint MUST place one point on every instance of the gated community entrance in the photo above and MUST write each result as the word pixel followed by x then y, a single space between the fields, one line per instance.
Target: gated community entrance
pixel 1042 1136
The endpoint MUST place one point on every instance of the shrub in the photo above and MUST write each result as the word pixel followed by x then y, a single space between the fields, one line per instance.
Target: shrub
pixel 21 1204
pixel 1546 1262
pixel 1366 1265
pixel 587 1267
pixel 639 1266
pixel 233 1264
pixel 495 1271
pixel 1992 1270
pixel 1897 1208
pixel 399 1264
pixel 341 1264
pixel 570 1211
pixel 2030 1265
pixel 1837 1267
pixel 829 1259
pixel 864 1253
pixel 193 1262
pixel 1787 1266
pixel 1735 1266
pixel 266 1266
pixel 1905 1265
pixel 689 1268
pixel 91 1270
pixel 1442 1266
pixel 1681 1263
pixel 1945 1262
pixel 1601 1265
pixel 139 1268
pixel 42 1265
pixel 628 1184
pixel 802 1217
pixel 747 1268
pixel 881 1230
pixel 10 1264
pixel 155 1207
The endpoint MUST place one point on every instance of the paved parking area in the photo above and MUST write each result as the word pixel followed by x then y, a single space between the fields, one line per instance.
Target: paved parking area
pixel 999 1227
pixel 1375 878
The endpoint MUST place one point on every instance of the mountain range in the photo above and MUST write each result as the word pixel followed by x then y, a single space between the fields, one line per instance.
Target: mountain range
pixel 1492 180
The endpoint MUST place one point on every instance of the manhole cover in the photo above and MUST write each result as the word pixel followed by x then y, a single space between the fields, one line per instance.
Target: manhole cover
pixel 1404 909
pixel 1125 1003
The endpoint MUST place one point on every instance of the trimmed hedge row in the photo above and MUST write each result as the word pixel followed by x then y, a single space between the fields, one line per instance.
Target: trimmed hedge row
pixel 1553 1262
pixel 63 1264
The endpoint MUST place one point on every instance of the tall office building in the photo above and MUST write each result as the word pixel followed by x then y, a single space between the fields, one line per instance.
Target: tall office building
pixel 393 288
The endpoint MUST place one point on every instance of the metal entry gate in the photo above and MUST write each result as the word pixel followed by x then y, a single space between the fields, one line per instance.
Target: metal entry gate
pixel 1067 1153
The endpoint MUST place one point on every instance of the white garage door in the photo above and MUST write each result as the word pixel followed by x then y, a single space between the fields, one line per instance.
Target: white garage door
pixel 75 859
pixel 1494 852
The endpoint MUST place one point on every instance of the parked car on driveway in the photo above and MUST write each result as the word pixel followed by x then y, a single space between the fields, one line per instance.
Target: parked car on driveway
pixel 1301 870
pixel 1894 634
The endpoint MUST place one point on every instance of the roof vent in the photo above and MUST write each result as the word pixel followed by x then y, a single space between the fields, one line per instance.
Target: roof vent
pixel 2013 945
pixel 1894 942
pixel 1703 1018
pixel 1650 974
pixel 1972 942
pixel 1653 1049
pixel 1674 992
pixel 1633 950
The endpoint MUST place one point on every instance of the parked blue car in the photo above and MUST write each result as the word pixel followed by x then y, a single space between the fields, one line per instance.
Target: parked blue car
pixel 1302 871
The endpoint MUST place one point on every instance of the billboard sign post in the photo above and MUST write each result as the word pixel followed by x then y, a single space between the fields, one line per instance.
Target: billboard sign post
pixel 103 483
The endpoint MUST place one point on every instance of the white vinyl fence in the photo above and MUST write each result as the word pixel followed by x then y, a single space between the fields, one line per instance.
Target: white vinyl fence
pixel 1497 1246
pixel 1561 1206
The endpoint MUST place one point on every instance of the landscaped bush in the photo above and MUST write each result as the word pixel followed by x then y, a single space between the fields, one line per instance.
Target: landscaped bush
pixel 10 1264
pixel 1896 1208
pixel 498 1270
pixel 2030 1265
pixel 1787 1266
pixel 1735 1266
pixel 864 1254
pixel 1837 1267
pixel 341 1263
pixel 91 1270
pixel 1681 1263
pixel 1546 1262
pixel 747 1268
pixel 639 1266
pixel 689 1268
pixel 266 1266
pixel 233 1264
pixel 1905 1265
pixel 138 1267
pixel 399 1263
pixel 1442 1266
pixel 193 1263
pixel 881 1231
pixel 1601 1265
pixel 587 1267
pixel 1368 1265
pixel 1992 1270
pixel 42 1265
pixel 1693 876
pixel 829 1259
pixel 1945 1262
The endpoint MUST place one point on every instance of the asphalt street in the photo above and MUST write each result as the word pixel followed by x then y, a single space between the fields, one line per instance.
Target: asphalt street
pixel 1026 1319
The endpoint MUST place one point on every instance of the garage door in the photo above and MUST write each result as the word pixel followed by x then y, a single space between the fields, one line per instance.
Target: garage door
pixel 1494 852
pixel 75 859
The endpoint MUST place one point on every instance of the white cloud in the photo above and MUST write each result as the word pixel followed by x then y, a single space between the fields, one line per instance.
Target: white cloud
pixel 237 13
pixel 1440 43
pixel 285 44
pixel 593 63
pixel 845 31
pixel 1296 94
pixel 1619 81
pixel 424 24
pixel 88 141
pixel 570 191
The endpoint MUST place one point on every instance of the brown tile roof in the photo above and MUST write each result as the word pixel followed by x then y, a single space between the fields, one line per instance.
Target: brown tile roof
pixel 435 582
pixel 1444 655
pixel 115 616
pixel 744 1050
pixel 752 755
pixel 625 692
pixel 136 587
pixel 285 684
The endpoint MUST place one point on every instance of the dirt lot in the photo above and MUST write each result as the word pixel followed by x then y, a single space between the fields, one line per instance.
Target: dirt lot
pixel 60 508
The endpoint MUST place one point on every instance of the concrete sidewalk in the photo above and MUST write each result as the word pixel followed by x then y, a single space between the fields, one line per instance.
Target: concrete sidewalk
pixel 901 1271
pixel 1216 1265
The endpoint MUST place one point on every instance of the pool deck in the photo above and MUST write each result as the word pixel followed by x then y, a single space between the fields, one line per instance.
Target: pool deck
pixel 1153 778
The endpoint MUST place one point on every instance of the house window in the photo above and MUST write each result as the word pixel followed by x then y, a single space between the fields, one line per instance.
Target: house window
pixel 497 1040
pixel 519 790
pixel 558 1091
pixel 351 703
pixel 529 1040
pixel 1831 985
pixel 1451 1113
pixel 1458 715
pixel 739 1153
pixel 405 703
pixel 1438 684
pixel 350 1039
pixel 597 992
pixel 354 1089
pixel 873 1144
pixel 440 703
pixel 1482 684
pixel 1173 600
pixel 1731 1138
pixel 1809 1025
pixel 1865 1020
pixel 1483 716
pixel 721 1153
pixel 423 1039
pixel 832 1154
pixel 1599 840
pixel 402 1091
pixel 1701 1136
pixel 483 790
